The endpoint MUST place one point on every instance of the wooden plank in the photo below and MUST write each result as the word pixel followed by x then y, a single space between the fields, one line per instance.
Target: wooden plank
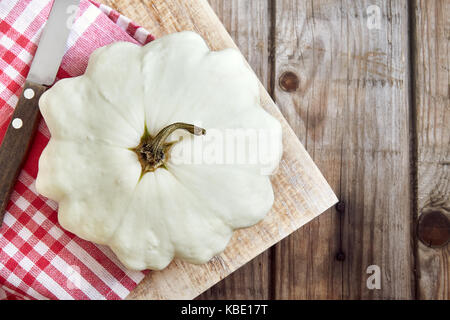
pixel 301 192
pixel 347 98
pixel 251 35
pixel 305 265
pixel 431 97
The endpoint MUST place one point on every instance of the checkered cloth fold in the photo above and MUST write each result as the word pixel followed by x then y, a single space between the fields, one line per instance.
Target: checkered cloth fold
pixel 38 259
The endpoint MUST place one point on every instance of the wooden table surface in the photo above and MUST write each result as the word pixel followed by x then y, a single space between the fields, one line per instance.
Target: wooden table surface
pixel 365 86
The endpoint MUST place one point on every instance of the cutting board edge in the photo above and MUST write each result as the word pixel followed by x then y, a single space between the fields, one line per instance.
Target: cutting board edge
pixel 323 189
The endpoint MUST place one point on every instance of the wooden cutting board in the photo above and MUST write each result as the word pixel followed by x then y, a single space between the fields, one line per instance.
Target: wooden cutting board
pixel 301 192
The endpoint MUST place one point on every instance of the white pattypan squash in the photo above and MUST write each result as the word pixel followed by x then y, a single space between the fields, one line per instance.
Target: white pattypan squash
pixel 121 171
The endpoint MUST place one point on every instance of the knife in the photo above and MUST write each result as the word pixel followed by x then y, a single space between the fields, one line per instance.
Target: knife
pixel 42 74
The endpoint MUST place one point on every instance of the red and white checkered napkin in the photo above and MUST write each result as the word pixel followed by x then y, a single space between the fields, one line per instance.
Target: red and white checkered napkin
pixel 38 259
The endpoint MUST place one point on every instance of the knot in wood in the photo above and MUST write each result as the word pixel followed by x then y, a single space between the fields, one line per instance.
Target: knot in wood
pixel 340 256
pixel 340 207
pixel 289 81
pixel 434 228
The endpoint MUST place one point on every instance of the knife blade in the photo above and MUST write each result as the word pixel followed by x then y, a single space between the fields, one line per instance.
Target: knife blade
pixel 45 65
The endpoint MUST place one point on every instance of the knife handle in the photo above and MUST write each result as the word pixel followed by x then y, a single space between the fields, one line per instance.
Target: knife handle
pixel 17 140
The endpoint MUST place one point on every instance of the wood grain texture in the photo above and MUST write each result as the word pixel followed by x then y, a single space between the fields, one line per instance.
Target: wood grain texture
pixel 431 96
pixel 351 111
pixel 377 227
pixel 17 140
pixel 301 192
pixel 252 281
pixel 305 42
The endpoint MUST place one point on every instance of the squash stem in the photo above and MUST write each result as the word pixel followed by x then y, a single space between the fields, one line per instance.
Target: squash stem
pixel 158 142
pixel 152 151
